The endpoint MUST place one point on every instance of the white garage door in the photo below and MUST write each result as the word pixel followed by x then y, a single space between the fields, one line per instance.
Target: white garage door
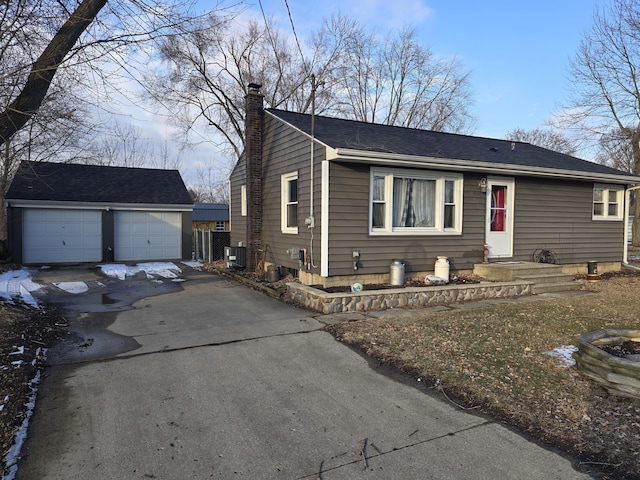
pixel 61 236
pixel 148 235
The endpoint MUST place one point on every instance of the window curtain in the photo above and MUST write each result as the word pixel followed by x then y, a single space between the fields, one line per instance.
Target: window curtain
pixel 413 202
pixel 498 208
pixel 424 201
pixel 401 201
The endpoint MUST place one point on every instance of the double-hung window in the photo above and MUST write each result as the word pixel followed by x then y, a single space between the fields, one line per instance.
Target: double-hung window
pixel 607 202
pixel 415 202
pixel 289 203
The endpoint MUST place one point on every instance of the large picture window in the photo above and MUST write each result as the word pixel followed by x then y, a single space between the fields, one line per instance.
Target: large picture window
pixel 409 202
pixel 289 206
pixel 607 202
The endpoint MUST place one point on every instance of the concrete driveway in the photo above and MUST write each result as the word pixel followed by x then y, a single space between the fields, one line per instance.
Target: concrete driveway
pixel 209 379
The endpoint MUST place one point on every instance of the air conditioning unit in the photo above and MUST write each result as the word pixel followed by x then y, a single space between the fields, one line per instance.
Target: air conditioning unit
pixel 229 257
pixel 235 257
pixel 241 257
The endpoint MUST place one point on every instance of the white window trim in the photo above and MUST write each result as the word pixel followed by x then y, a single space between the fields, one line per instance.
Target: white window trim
pixel 440 178
pixel 243 200
pixel 607 190
pixel 284 195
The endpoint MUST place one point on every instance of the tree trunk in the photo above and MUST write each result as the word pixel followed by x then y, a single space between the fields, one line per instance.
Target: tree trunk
pixel 26 104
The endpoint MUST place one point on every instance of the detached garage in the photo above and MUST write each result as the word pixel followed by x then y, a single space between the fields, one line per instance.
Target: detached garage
pixel 68 213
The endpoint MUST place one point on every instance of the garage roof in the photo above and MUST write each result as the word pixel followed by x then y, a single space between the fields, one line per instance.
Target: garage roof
pixel 210 212
pixel 69 182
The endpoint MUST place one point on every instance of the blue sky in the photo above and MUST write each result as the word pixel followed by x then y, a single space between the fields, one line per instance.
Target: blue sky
pixel 517 52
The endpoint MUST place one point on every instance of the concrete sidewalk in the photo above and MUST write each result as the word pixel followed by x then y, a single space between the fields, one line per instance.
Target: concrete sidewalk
pixel 229 383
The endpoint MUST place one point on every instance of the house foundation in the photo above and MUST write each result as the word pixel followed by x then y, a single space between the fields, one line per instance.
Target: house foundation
pixel 414 297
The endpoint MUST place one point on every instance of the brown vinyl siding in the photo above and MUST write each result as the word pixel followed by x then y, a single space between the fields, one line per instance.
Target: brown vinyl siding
pixel 286 150
pixel 238 222
pixel 550 214
pixel 349 229
pixel 557 215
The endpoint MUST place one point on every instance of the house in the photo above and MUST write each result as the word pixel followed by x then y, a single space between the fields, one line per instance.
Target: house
pixel 338 200
pixel 68 213
pixel 211 216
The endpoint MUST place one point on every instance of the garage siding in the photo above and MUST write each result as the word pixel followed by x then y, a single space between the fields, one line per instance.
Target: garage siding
pixel 62 236
pixel 143 235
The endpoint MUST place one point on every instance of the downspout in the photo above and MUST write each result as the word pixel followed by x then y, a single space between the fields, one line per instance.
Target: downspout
pixel 625 252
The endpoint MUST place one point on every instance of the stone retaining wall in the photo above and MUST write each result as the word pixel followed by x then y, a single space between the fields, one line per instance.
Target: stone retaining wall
pixel 413 297
pixel 618 375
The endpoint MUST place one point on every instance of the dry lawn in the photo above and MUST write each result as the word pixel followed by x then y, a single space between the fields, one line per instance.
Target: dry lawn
pixel 492 359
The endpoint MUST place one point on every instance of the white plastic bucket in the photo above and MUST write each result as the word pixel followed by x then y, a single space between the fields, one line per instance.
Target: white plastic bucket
pixel 442 268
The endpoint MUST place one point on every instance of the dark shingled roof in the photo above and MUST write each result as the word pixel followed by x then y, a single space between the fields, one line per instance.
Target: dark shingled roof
pixel 68 182
pixel 349 134
pixel 210 212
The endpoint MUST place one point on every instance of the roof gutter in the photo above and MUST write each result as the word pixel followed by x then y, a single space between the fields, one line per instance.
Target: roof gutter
pixel 98 205
pixel 360 156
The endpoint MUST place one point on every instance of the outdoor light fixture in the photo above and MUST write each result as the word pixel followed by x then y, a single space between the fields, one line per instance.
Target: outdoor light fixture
pixel 483 184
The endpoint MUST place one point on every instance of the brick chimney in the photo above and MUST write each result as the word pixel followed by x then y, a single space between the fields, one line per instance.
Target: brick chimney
pixel 253 153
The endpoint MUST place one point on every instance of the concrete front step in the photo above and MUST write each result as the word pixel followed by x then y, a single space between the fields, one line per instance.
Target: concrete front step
pixel 547 278
pixel 506 271
pixel 544 277
pixel 539 288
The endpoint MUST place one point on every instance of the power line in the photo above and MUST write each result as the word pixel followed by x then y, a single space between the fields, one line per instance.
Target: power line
pixel 266 25
pixel 295 36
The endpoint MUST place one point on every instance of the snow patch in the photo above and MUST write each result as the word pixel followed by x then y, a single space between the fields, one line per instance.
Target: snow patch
pixel 564 355
pixel 193 264
pixel 19 350
pixel 151 269
pixel 18 283
pixel 11 459
pixel 72 287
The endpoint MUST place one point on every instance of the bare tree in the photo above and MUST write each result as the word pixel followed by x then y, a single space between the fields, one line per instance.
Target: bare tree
pixel 606 83
pixel 546 138
pixel 210 67
pixel 397 81
pixel 392 80
pixel 34 89
pixel 122 145
pixel 51 53
pixel 615 152
pixel 39 37
pixel 211 185
pixel 162 158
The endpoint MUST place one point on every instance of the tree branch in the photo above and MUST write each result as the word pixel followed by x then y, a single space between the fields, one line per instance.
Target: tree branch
pixel 18 113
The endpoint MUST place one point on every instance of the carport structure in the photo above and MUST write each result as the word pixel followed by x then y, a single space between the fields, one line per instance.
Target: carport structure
pixel 69 213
